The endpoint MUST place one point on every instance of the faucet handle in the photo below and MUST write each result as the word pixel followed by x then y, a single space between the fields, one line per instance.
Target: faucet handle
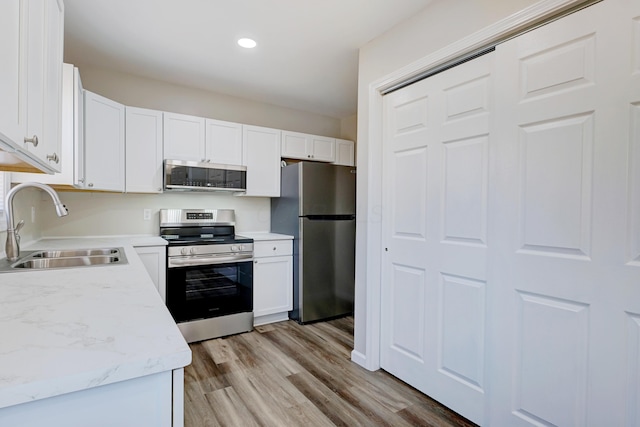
pixel 19 226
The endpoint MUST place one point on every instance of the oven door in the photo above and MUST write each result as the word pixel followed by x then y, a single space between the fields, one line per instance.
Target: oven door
pixel 210 290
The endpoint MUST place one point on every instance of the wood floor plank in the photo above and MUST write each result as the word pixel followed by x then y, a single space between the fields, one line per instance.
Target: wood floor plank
pixel 219 350
pixel 286 374
pixel 270 354
pixel 433 414
pixel 204 372
pixel 337 410
pixel 229 408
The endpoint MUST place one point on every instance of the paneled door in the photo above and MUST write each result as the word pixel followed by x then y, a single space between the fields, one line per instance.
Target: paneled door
pixel 435 170
pixel 564 265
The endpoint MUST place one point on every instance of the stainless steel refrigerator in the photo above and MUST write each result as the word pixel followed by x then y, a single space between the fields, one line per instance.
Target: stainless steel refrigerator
pixel 317 206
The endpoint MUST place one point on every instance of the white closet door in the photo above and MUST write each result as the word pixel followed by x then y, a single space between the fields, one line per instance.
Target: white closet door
pixel 435 234
pixel 564 267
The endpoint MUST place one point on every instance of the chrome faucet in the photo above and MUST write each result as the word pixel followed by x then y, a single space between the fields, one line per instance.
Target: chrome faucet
pixel 12 247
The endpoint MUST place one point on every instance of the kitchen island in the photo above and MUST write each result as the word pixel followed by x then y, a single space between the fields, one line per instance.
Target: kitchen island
pixel 89 345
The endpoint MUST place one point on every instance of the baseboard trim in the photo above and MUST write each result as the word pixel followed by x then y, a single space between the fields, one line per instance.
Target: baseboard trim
pixel 359 359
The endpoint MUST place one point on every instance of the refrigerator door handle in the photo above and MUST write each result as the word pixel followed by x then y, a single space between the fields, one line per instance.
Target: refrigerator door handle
pixel 348 217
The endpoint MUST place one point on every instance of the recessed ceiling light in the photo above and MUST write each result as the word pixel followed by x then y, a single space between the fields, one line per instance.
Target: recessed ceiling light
pixel 247 43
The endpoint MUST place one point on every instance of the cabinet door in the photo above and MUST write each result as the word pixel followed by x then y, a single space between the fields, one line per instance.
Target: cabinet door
pixel 12 74
pixel 30 80
pixel 104 143
pixel 322 149
pixel 184 137
pixel 143 150
pixel 272 285
pixel 261 156
pixel 223 142
pixel 35 66
pixel 79 177
pixel 44 26
pixel 294 145
pixel 345 153
pixel 50 149
pixel 71 157
pixel 155 261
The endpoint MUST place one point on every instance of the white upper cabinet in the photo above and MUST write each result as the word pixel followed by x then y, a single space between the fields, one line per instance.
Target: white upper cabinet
pixel 12 74
pixel 223 142
pixel 184 137
pixel 323 149
pixel 345 153
pixel 51 96
pixel 296 145
pixel 143 143
pixel 202 140
pixel 104 143
pixel 261 156
pixel 72 152
pixel 31 81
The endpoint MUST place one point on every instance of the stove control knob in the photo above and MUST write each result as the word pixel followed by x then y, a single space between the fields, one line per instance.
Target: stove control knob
pixel 193 251
pixel 234 248
pixel 183 251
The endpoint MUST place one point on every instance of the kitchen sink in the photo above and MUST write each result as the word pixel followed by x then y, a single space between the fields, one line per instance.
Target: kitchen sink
pixel 75 261
pixel 65 258
pixel 75 253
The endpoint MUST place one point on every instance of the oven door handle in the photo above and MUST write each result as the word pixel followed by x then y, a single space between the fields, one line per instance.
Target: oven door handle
pixel 207 260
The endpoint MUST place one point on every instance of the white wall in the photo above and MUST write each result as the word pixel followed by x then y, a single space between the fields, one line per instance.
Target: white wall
pixel 103 214
pixel 349 128
pixel 440 24
pixel 141 92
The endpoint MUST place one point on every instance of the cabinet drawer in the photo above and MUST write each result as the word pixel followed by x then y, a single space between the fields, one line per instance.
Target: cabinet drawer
pixel 272 248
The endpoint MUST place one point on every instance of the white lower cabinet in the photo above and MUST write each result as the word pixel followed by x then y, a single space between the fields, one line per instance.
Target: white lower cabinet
pixel 151 400
pixel 154 259
pixel 272 281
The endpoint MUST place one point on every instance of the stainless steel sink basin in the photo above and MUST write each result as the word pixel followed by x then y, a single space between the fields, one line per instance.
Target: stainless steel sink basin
pixel 65 258
pixel 75 253
pixel 74 261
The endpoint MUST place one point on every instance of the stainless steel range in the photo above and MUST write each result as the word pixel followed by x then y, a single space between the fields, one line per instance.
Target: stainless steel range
pixel 209 273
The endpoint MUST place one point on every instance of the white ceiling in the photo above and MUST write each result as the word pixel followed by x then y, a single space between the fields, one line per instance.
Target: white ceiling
pixel 306 58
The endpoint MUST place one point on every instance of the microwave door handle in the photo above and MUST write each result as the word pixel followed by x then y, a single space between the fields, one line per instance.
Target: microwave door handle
pixel 208 260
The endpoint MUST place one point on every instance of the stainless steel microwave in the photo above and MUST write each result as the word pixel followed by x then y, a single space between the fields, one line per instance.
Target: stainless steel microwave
pixel 181 175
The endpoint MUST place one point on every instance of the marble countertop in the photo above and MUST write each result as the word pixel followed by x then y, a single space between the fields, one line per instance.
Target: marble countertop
pixel 266 236
pixel 72 329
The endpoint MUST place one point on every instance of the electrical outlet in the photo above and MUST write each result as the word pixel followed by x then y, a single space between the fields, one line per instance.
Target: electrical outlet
pixel 147 214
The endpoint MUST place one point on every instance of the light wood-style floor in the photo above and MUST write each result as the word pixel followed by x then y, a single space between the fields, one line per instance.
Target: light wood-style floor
pixel 286 374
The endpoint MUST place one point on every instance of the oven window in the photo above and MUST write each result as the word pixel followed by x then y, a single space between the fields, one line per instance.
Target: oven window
pixel 211 283
pixel 200 292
